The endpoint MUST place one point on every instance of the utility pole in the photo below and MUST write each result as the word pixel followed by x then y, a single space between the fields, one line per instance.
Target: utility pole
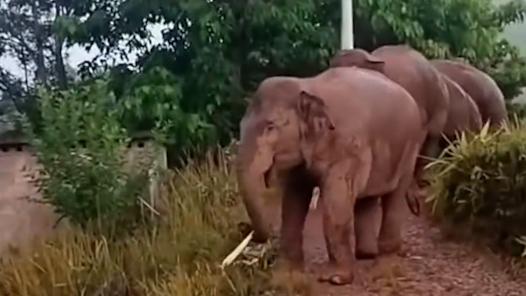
pixel 347 36
pixel 347 42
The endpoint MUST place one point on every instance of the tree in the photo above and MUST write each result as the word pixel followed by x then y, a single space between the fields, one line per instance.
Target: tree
pixel 448 29
pixel 30 34
pixel 215 52
pixel 25 30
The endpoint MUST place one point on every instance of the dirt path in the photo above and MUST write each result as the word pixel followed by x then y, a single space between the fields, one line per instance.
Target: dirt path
pixel 432 266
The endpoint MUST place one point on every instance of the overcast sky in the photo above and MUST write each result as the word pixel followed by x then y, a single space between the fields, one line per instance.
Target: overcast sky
pixel 78 54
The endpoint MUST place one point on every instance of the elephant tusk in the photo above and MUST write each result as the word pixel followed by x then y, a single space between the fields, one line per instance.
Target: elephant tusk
pixel 315 198
pixel 237 251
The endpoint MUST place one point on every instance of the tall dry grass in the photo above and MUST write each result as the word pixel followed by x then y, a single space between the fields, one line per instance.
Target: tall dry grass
pixel 179 255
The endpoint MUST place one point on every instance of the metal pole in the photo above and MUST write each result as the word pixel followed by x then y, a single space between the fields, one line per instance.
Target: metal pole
pixel 347 36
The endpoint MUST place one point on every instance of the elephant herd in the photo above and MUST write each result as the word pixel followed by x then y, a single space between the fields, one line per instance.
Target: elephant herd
pixel 356 131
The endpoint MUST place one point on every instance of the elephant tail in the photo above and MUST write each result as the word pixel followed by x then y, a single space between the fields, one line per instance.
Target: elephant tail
pixel 413 203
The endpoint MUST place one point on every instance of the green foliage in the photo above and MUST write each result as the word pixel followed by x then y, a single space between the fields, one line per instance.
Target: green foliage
pixel 214 53
pixel 479 186
pixel 179 256
pixel 154 101
pixel 81 149
pixel 193 85
pixel 470 29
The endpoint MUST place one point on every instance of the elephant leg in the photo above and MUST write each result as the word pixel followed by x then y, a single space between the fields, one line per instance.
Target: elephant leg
pixel 430 150
pixel 394 212
pixel 295 206
pixel 338 226
pixel 367 215
pixel 332 259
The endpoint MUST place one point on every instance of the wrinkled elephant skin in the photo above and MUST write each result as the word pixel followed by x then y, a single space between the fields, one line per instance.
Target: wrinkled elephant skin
pixel 350 131
pixel 481 87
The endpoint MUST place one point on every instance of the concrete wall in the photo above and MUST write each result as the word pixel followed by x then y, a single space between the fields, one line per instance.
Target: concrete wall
pixel 21 218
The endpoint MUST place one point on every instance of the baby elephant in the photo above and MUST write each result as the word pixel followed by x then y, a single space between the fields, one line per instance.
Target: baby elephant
pixel 350 131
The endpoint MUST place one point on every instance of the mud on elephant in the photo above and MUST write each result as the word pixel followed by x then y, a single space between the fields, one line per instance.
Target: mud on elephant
pixel 352 132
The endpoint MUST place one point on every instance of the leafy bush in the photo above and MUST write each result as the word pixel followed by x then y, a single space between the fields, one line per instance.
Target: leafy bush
pixel 153 100
pixel 212 55
pixel 179 256
pixel 81 150
pixel 479 187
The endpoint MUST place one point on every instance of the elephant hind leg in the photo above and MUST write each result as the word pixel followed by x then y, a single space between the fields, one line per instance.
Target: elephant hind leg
pixel 394 210
pixel 367 215
pixel 430 150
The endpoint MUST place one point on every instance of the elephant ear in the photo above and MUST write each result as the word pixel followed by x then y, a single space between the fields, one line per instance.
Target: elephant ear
pixel 374 63
pixel 357 57
pixel 371 59
pixel 313 112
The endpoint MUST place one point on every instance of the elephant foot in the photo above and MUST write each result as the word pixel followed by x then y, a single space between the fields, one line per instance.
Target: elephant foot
pixel 289 266
pixel 390 246
pixel 337 276
pixel 365 254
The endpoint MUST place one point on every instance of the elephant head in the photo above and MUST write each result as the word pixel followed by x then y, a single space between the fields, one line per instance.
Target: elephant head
pixel 357 57
pixel 269 145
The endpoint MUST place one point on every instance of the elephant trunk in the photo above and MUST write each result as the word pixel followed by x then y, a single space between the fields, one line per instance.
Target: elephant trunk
pixel 253 187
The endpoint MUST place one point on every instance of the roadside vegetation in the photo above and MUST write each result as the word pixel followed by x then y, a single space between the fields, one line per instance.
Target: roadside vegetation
pixel 478 188
pixel 190 90
pixel 179 254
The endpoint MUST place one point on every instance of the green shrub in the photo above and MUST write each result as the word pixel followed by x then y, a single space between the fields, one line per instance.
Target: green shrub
pixel 179 256
pixel 479 187
pixel 81 150
pixel 516 110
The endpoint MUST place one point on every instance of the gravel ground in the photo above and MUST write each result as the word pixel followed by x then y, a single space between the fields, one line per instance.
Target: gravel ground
pixel 431 265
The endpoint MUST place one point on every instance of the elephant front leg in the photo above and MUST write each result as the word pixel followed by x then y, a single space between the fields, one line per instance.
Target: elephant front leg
pixel 338 217
pixel 295 206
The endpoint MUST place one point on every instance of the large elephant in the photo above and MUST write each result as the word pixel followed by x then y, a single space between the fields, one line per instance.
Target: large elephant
pixel 480 86
pixel 463 114
pixel 350 131
pixel 416 74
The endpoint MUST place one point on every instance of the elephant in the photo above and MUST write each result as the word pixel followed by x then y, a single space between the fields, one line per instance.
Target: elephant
pixel 480 86
pixel 463 114
pixel 414 72
pixel 353 133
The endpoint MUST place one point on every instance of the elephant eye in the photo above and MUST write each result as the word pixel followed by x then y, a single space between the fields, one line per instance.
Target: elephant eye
pixel 270 127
